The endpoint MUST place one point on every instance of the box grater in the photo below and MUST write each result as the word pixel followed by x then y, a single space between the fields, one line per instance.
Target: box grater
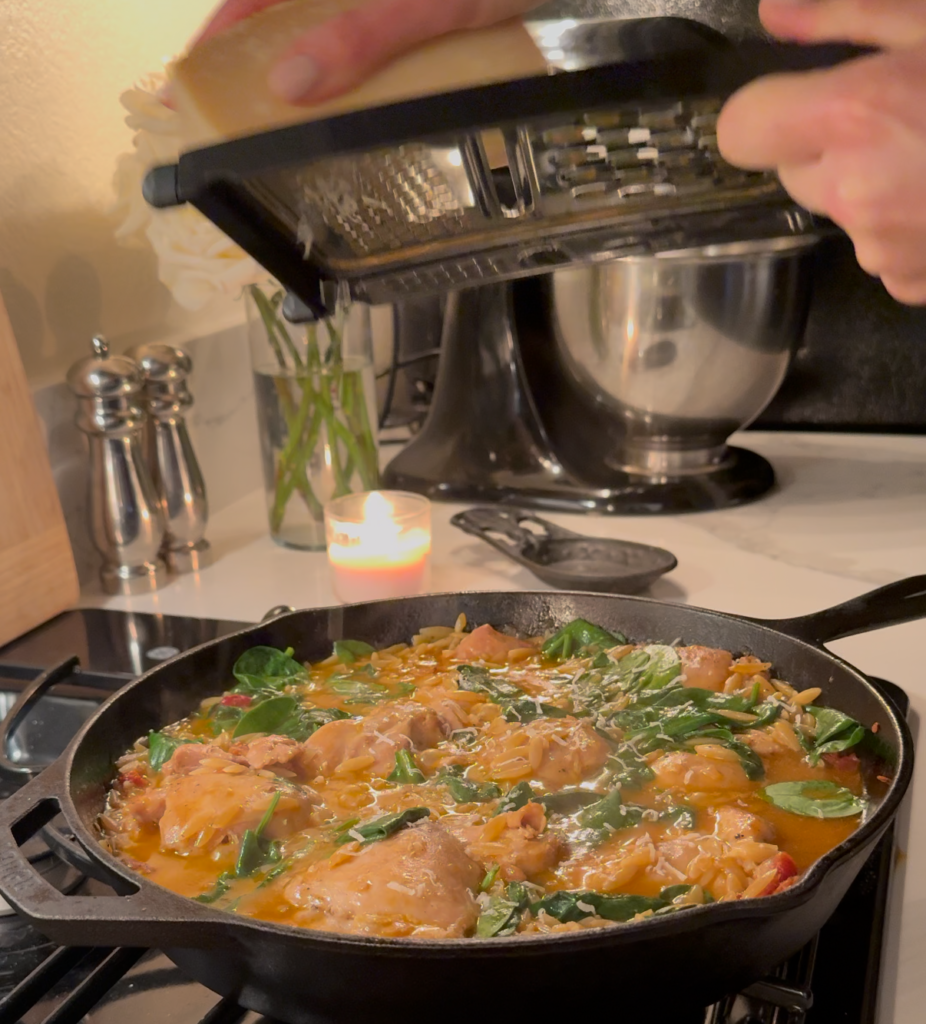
pixel 613 153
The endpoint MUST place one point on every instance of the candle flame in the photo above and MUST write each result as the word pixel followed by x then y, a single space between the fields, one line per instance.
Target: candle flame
pixel 376 506
pixel 378 540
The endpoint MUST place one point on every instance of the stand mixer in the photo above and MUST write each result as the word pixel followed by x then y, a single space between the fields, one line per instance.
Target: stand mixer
pixel 622 299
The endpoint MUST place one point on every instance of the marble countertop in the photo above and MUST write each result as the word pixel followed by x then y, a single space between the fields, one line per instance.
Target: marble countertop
pixel 849 515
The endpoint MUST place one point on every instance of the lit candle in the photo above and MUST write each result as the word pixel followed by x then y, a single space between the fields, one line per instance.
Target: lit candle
pixel 379 545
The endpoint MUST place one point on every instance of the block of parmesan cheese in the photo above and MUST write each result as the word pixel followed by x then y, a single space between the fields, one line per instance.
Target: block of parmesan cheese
pixel 220 87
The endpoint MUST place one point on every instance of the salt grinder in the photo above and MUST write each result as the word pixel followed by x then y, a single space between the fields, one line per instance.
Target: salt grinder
pixel 171 459
pixel 126 520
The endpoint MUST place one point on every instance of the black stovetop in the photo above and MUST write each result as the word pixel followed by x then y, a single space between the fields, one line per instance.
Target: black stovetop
pixel 833 980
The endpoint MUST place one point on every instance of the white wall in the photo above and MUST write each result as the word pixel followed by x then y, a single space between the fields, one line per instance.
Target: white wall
pixel 63 277
pixel 63 65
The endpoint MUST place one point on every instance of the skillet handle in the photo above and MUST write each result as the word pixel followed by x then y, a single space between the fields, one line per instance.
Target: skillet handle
pixel 904 601
pixel 142 914
pixel 31 695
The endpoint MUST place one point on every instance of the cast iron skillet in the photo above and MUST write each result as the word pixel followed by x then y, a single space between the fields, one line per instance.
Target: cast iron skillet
pixel 305 976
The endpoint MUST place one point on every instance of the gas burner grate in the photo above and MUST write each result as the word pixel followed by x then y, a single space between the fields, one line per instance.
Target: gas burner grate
pixel 106 986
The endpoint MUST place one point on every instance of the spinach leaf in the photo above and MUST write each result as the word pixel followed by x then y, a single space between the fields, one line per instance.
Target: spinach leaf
pixel 580 638
pixel 516 704
pixel 673 892
pixel 278 715
pixel 254 850
pixel 568 801
pixel 502 914
pixel 682 816
pixel 298 726
pixel 814 798
pixel 629 771
pixel 348 651
pixel 273 874
pixel 315 718
pixel 516 798
pixel 830 723
pixel 266 668
pixel 835 733
pixel 464 737
pixel 224 717
pixel 161 748
pixel 768 712
pixel 609 810
pixel 382 828
pixel 528 710
pixel 749 759
pixel 576 906
pixel 489 879
pixel 846 741
pixel 607 816
pixel 405 771
pixel 221 887
pixel 478 680
pixel 661 667
pixel 284 865
pixel 704 700
pixel 677 725
pixel 362 691
pixel 465 791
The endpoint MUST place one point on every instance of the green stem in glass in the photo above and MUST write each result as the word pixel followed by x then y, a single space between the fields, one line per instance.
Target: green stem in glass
pixel 291 469
pixel 276 329
pixel 332 398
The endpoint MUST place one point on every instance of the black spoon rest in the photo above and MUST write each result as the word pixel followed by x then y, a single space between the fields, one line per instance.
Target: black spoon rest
pixel 567 560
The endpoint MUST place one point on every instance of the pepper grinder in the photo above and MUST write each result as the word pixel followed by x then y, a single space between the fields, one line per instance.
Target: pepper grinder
pixel 126 519
pixel 171 459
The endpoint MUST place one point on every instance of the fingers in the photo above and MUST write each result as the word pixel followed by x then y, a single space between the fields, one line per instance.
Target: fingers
pixel 336 56
pixel 911 290
pixel 231 12
pixel 849 144
pixel 890 24
pixel 870 193
pixel 792 119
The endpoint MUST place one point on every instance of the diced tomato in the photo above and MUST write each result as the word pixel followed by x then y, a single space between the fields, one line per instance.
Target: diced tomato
pixel 785 869
pixel 842 762
pixel 134 779
pixel 236 700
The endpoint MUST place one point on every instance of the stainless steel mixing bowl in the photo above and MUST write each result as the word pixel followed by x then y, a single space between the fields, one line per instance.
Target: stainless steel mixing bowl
pixel 684 347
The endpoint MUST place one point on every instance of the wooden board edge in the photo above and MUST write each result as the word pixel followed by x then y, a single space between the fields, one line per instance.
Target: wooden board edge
pixel 47 562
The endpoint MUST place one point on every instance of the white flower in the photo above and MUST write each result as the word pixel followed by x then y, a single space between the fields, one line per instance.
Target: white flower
pixel 196 261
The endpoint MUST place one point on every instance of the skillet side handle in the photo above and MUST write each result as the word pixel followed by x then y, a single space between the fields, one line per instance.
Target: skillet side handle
pixel 904 601
pixel 30 695
pixel 146 916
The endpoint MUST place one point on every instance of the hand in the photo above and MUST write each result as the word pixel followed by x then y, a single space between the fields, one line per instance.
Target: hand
pixel 334 57
pixel 849 143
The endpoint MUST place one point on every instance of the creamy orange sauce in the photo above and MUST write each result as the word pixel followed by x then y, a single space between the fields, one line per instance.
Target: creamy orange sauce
pixel 337 780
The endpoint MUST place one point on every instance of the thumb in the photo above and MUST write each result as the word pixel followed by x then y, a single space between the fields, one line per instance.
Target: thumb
pixel 890 24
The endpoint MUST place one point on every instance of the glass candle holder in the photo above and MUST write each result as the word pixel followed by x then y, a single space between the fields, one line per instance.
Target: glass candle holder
pixel 379 545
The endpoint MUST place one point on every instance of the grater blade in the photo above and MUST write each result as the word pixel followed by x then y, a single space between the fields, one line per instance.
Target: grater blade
pixel 506 180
